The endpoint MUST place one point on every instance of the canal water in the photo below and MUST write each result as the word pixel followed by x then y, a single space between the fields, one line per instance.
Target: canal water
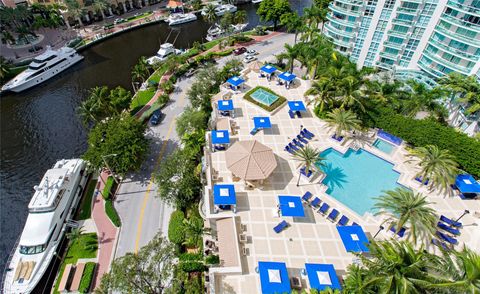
pixel 40 125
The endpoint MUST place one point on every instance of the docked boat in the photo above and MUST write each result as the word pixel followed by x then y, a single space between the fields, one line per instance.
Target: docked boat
pixel 256 1
pixel 215 31
pixel 166 49
pixel 221 9
pixel 179 18
pixel 43 67
pixel 52 206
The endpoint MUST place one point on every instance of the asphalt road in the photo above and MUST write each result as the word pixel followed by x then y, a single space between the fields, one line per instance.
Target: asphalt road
pixel 142 213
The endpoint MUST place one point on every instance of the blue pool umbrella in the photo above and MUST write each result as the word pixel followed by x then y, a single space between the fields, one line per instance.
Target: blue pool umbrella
pixel 296 106
pixel 287 77
pixel 268 69
pixel 225 105
pixel 224 195
pixel 291 206
pixel 274 277
pixel 353 238
pixel 220 137
pixel 467 184
pixel 322 276
pixel 235 81
pixel 262 122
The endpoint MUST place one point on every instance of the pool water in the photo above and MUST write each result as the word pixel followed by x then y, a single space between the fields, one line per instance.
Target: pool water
pixel 383 146
pixel 264 97
pixel 357 177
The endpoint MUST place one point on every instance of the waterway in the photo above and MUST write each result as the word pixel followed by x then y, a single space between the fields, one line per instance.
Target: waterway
pixel 40 125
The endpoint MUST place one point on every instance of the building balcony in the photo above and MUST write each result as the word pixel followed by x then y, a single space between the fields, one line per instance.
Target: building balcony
pixel 439 60
pixel 351 2
pixel 343 22
pixel 438 44
pixel 384 65
pixel 399 34
pixel 463 7
pixel 337 31
pixel 390 55
pixel 344 10
pixel 402 21
pixel 394 45
pixel 429 69
pixel 407 10
pixel 460 23
pixel 454 36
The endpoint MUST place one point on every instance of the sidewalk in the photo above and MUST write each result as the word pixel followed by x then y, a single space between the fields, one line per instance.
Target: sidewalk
pixel 107 232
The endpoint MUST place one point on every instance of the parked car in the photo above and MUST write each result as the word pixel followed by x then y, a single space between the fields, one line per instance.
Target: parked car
pixel 249 58
pixel 156 117
pixel 119 20
pixel 251 52
pixel 240 50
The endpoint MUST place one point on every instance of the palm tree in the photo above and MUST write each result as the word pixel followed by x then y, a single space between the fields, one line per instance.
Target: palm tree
pixel 350 93
pixel 234 66
pixel 293 22
pixel 193 231
pixel 424 99
pixel 404 207
pixel 459 272
pixel 100 6
pixel 323 92
pixel 463 89
pixel 210 15
pixel 312 16
pixel 342 121
pixel 75 9
pixel 4 68
pixel 308 157
pixel 88 112
pixel 240 17
pixel 75 234
pixel 436 165
pixel 291 53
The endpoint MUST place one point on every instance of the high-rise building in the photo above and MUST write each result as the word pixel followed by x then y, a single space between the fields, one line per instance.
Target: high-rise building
pixel 419 39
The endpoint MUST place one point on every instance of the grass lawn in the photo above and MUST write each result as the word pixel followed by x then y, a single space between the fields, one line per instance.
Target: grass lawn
pixel 86 204
pixel 280 101
pixel 140 16
pixel 85 247
pixel 142 98
pixel 211 44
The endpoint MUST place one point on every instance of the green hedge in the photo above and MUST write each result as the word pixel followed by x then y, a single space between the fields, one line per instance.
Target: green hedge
pixel 430 132
pixel 270 108
pixel 107 190
pixel 212 259
pixel 190 257
pixel 192 266
pixel 176 231
pixel 112 213
pixel 87 277
pixel 86 205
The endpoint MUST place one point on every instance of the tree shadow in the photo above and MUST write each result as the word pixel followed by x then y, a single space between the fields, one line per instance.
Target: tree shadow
pixel 335 177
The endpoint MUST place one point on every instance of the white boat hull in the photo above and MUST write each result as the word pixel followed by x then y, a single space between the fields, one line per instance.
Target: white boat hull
pixel 48 74
pixel 177 21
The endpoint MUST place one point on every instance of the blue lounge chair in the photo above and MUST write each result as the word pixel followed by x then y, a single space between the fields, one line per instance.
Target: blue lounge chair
pixel 450 222
pixel 294 141
pixel 323 209
pixel 301 139
pixel 306 197
pixel 305 134
pixel 447 238
pixel 333 215
pixel 254 131
pixel 420 180
pixel 302 171
pixel 308 132
pixel 451 230
pixel 280 227
pixel 291 114
pixel 288 149
pixel 298 113
pixel 219 148
pixel 315 202
pixel 337 138
pixel 295 148
pixel 440 244
pixel 400 233
pixel 343 221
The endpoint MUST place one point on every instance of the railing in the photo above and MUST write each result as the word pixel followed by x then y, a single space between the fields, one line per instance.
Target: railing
pixel 463 7
pixel 439 60
pixel 455 36
pixel 330 27
pixel 439 44
pixel 407 10
pixel 7 266
pixel 344 22
pixel 460 22
pixel 344 10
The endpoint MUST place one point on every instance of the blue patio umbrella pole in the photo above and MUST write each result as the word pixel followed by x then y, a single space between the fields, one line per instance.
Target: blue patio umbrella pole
pixel 464 213
pixel 378 232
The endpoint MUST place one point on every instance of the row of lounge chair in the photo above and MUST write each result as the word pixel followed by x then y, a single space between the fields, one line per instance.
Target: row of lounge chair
pixel 334 213
pixel 299 141
pixel 446 225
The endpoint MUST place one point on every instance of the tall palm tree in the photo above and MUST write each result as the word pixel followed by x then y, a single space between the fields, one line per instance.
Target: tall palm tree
pixel 404 207
pixel 350 93
pixel 293 22
pixel 436 165
pixel 210 15
pixel 291 53
pixel 240 17
pixel 312 16
pixel 193 231
pixel 323 92
pixel 4 68
pixel 87 111
pixel 308 157
pixel 100 6
pixel 424 99
pixel 75 9
pixel 459 271
pixel 75 234
pixel 463 89
pixel 342 121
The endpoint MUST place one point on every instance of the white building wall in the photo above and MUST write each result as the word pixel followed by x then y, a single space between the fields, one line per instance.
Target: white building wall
pixel 371 31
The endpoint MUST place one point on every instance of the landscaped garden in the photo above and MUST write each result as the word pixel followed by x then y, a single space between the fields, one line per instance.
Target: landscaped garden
pixel 264 100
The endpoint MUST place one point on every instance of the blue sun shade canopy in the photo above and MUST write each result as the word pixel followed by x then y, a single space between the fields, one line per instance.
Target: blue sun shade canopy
pixel 286 76
pixel 291 206
pixel 467 184
pixel 224 195
pixel 235 81
pixel 296 106
pixel 354 238
pixel 322 276
pixel 274 277
pixel 220 137
pixel 268 69
pixel 225 105
pixel 262 122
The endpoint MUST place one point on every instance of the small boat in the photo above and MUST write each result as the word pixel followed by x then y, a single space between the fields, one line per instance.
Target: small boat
pixel 224 8
pixel 256 1
pixel 43 67
pixel 179 18
pixel 215 32
pixel 166 49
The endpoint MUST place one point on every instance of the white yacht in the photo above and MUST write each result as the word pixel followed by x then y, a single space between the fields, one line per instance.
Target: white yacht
pixel 43 67
pixel 256 1
pixel 224 8
pixel 179 18
pixel 166 49
pixel 215 31
pixel 51 207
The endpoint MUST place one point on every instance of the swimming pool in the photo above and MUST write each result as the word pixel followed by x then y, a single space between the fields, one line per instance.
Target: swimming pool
pixel 383 146
pixel 357 177
pixel 264 97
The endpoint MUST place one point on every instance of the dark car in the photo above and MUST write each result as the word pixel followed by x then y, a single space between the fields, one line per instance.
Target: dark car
pixel 240 50
pixel 156 117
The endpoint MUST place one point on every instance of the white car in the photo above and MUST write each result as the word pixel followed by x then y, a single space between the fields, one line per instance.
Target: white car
pixel 251 52
pixel 249 58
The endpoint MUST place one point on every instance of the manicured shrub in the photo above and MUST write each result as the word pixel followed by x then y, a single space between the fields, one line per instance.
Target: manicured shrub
pixel 430 132
pixel 168 87
pixel 112 213
pixel 163 99
pixel 107 190
pixel 87 277
pixel 190 257
pixel 176 231
pixel 192 266
pixel 212 259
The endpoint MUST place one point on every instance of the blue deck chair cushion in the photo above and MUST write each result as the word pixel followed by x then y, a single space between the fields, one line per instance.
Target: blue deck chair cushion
pixel 333 215
pixel 315 202
pixel 440 244
pixel 308 132
pixel 447 238
pixel 451 230
pixel 324 208
pixel 343 221
pixel 305 134
pixel 307 196
pixel 291 114
pixel 280 227
pixel 450 222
